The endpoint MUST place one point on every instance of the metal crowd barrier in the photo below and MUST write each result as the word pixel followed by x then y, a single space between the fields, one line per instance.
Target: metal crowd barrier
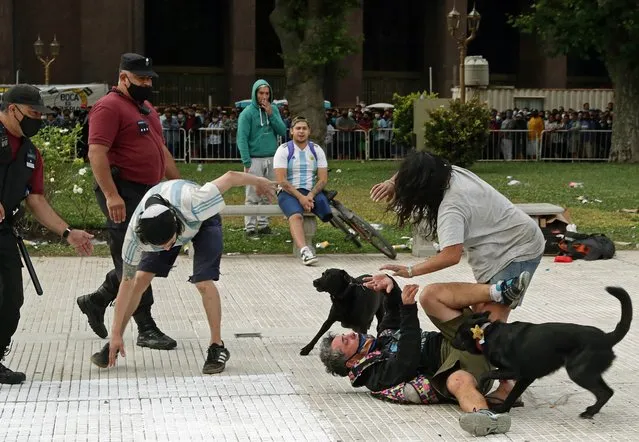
pixel 575 145
pixel 557 145
pixel 177 141
pixel 213 144
pixel 508 145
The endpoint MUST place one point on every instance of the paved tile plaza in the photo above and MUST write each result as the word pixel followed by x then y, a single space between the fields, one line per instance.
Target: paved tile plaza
pixel 268 391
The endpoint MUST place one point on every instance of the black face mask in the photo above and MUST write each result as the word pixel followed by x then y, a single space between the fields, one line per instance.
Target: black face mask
pixel 139 94
pixel 29 126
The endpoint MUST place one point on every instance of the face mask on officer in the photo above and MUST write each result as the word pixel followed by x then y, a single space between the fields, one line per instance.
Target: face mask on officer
pixel 139 93
pixel 29 126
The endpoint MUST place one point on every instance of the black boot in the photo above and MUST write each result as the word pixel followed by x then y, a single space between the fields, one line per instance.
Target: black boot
pixel 94 305
pixel 8 376
pixel 149 335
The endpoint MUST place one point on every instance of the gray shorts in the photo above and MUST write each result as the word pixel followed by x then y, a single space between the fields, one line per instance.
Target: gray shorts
pixel 514 269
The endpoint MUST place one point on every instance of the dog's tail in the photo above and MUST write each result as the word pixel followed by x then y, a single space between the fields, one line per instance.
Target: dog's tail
pixel 626 314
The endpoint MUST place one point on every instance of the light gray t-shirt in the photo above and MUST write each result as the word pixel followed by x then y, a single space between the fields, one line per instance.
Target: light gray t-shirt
pixel 493 230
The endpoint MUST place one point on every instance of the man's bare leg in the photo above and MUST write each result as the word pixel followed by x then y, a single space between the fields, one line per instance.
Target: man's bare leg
pixel 213 309
pixel 463 386
pixel 445 301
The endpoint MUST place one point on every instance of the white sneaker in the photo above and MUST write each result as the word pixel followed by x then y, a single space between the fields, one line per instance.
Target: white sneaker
pixel 484 422
pixel 308 257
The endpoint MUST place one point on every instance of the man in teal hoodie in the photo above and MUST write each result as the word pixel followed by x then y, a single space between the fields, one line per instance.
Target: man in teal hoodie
pixel 258 127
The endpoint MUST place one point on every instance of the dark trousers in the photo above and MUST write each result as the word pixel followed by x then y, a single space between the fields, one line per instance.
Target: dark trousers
pixel 132 193
pixel 11 291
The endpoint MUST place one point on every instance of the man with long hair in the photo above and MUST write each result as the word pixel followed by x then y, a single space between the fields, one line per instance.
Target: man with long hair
pixel 467 214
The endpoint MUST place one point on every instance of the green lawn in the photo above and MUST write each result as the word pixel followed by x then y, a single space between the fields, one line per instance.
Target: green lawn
pixel 613 185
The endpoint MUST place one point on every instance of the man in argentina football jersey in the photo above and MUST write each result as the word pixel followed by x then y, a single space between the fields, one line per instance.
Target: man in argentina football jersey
pixel 170 215
pixel 301 170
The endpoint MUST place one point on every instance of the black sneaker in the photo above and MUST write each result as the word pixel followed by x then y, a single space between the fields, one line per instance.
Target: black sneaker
pixel 95 314
pixel 251 232
pixel 264 230
pixel 154 338
pixel 8 376
pixel 512 290
pixel 101 358
pixel 216 359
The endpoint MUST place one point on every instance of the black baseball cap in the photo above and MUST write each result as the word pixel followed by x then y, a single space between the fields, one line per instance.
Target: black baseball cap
pixel 137 64
pixel 27 95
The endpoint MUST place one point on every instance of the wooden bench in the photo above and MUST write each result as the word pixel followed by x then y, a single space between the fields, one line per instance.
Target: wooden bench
pixel 540 212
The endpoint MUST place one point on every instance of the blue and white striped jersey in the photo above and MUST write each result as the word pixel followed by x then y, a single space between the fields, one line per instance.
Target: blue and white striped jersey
pixel 195 203
pixel 302 167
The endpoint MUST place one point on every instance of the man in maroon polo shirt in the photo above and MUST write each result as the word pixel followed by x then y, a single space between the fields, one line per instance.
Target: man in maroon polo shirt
pixel 22 178
pixel 128 156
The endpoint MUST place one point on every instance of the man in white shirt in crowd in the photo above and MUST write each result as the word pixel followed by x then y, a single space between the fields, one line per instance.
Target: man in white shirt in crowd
pixel 301 170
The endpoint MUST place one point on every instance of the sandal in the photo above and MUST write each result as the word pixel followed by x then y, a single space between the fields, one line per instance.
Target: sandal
pixel 494 401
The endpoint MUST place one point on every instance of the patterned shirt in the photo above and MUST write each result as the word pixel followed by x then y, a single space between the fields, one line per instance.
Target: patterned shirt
pixel 194 203
pixel 302 167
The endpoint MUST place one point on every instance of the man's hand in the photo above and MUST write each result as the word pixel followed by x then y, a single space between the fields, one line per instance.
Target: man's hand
pixel 266 188
pixel 1 213
pixel 408 293
pixel 266 105
pixel 383 190
pixel 116 345
pixel 81 241
pixel 380 283
pixel 307 202
pixel 116 207
pixel 396 269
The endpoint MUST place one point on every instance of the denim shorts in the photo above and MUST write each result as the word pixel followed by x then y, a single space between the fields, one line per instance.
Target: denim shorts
pixel 207 247
pixel 514 269
pixel 290 205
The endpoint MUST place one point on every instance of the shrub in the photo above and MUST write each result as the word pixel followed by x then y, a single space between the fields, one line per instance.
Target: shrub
pixel 403 116
pixel 459 132
pixel 68 182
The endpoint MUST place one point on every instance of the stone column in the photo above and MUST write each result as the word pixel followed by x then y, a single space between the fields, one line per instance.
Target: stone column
pixel 241 61
pixel 7 68
pixel 106 31
pixel 536 70
pixel 441 49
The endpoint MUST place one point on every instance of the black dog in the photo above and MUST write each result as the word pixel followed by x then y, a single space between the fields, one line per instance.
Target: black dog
pixel 353 304
pixel 524 352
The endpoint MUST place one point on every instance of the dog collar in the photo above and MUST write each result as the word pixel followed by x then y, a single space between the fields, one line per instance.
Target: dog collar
pixel 480 339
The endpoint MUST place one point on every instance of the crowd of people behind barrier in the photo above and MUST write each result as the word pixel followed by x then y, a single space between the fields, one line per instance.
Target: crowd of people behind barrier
pixel 557 134
pixel 196 133
pixel 202 134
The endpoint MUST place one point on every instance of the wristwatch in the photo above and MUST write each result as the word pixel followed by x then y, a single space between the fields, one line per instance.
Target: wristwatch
pixel 66 232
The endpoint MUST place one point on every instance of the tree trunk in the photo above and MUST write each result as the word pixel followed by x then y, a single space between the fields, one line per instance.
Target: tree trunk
pixel 304 87
pixel 305 97
pixel 625 134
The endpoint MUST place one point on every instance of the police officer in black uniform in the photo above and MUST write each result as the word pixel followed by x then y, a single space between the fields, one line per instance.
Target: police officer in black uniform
pixel 22 178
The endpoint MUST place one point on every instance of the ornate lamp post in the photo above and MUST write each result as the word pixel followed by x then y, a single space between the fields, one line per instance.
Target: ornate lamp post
pixel 462 38
pixel 46 60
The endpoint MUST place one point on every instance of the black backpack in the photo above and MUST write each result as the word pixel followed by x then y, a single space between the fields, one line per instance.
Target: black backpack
pixel 585 246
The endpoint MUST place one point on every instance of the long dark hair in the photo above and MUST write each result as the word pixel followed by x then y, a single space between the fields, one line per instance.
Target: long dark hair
pixel 420 184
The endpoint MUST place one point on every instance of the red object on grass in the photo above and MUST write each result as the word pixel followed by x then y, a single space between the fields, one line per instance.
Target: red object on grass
pixel 563 258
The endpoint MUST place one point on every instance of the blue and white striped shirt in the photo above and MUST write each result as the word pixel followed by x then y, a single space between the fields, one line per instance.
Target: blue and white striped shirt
pixel 195 203
pixel 302 167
